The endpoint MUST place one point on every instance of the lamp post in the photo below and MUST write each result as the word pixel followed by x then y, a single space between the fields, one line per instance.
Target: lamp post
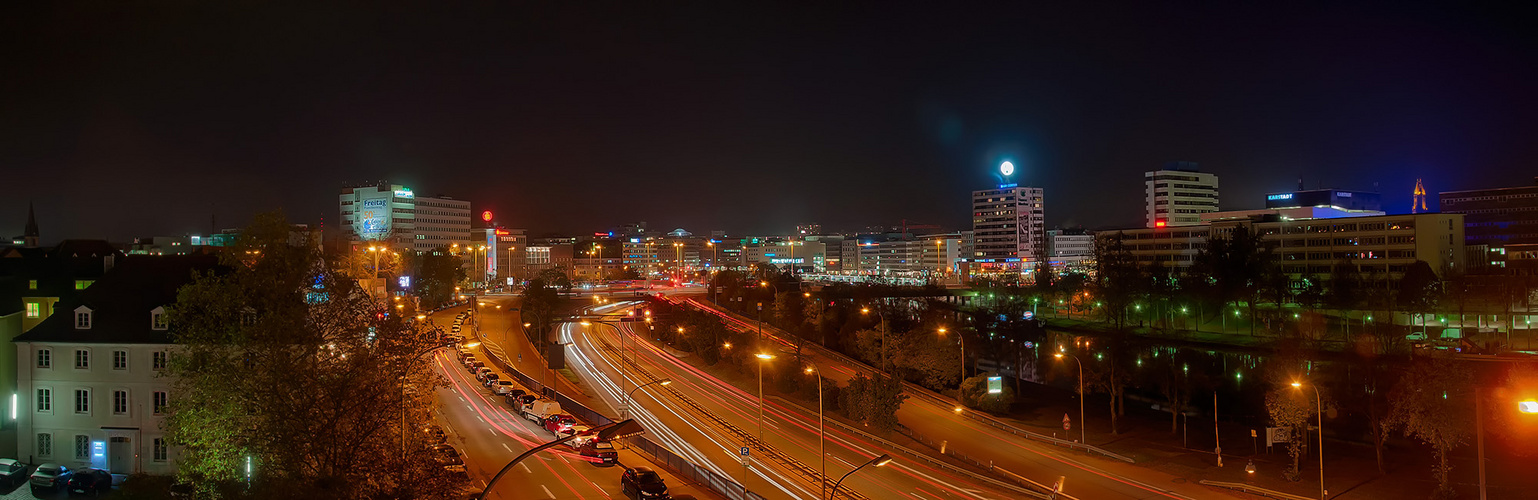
pixel 1319 405
pixel 880 461
pixel 632 392
pixel 963 343
pixel 879 314
pixel 762 358
pixel 821 435
pixel 1082 434
pixel 376 251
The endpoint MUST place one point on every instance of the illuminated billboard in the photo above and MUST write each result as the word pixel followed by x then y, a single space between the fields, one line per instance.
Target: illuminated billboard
pixel 373 222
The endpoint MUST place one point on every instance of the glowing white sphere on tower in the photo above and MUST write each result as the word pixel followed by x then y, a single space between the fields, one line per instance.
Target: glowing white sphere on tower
pixel 1007 168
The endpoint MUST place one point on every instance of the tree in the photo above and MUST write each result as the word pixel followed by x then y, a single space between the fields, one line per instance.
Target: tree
pixel 1345 291
pixel 872 402
pixel 1236 265
pixel 437 274
pixel 1117 276
pixel 974 394
pixel 1430 403
pixel 288 365
pixel 1107 373
pixel 556 277
pixel 1418 289
pixel 1291 409
pixel 539 305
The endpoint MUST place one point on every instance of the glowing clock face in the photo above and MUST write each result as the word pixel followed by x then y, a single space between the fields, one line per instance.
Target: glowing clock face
pixel 486 216
pixel 1007 168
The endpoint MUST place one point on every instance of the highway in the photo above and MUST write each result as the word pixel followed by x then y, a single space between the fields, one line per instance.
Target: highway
pixel 489 435
pixel 1087 477
pixel 791 431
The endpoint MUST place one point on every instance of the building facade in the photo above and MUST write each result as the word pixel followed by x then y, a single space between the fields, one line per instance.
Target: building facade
pixel 1381 247
pixel 90 379
pixel 1496 217
pixel 1070 249
pixel 440 222
pixel 394 215
pixel 1178 195
pixel 1008 226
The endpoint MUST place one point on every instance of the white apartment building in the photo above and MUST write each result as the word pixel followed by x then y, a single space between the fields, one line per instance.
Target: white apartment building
pixel 1008 226
pixel 1178 195
pixel 88 382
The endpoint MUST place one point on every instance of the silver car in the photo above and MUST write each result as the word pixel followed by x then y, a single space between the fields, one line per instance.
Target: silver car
pixel 50 476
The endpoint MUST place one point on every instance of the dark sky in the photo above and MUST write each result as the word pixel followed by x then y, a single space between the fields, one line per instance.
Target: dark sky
pixel 120 121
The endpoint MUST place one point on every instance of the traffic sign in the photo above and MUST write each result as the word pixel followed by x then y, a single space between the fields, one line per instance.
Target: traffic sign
pixel 1065 422
pixel 744 451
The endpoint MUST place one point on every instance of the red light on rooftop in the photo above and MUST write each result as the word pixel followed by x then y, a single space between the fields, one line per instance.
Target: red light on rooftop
pixel 486 216
pixel 1158 223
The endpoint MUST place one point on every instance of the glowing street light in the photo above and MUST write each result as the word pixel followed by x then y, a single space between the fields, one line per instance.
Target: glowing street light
pixel 1528 406
pixel 1320 407
pixel 763 358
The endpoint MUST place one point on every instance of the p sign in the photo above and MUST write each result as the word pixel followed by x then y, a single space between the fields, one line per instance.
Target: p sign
pixel 995 385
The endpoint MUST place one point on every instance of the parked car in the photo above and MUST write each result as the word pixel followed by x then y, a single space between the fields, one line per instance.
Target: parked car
pixel 90 482
pixel 502 387
pixel 49 476
pixel 449 458
pixel 599 453
pixel 12 471
pixel 525 400
pixel 436 434
pixel 1416 337
pixel 643 482
pixel 539 410
pixel 560 424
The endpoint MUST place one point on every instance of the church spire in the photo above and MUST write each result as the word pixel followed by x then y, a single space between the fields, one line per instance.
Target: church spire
pixel 31 235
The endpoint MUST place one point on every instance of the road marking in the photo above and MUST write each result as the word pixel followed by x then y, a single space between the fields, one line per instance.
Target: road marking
pixel 547 491
pixel 526 468
pixel 509 450
pixel 478 417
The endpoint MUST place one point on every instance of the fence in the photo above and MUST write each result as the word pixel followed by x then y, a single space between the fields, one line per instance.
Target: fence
pixel 1253 490
pixel 915 390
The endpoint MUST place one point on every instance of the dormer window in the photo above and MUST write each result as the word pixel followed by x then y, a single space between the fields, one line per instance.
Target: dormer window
pixel 158 318
pixel 82 318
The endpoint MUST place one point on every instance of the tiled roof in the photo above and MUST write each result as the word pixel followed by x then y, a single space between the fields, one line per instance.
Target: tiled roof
pixel 121 302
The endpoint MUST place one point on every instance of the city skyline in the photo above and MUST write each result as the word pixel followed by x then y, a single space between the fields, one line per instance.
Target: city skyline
pixel 747 123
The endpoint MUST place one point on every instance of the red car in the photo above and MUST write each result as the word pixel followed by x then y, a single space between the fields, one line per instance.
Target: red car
pixel 560 424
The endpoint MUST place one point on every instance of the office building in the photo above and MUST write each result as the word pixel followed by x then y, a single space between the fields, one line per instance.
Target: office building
pixel 1178 195
pixel 1381 247
pixel 1070 249
pixel 394 215
pixel 1008 227
pixel 1496 217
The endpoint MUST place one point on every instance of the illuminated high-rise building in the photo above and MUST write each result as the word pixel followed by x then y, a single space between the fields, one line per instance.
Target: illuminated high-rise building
pixel 395 215
pixel 1178 195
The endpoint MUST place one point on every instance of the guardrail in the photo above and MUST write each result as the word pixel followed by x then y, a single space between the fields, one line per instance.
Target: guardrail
pixel 1253 490
pixel 806 472
pixel 912 389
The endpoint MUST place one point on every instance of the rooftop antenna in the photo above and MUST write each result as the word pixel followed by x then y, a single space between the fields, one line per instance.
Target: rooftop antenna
pixel 1418 204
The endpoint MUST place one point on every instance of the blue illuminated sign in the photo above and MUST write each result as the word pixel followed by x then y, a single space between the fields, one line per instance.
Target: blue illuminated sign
pixel 1284 196
pixel 98 449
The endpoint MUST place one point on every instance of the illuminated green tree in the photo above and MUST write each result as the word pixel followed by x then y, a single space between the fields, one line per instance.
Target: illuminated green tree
pixel 290 371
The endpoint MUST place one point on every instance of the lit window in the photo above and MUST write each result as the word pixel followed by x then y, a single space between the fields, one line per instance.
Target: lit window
pixel 83 284
pixel 34 310
pixel 32 284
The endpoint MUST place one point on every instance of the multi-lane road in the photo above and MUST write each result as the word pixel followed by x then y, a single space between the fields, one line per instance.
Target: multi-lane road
pixel 489 435
pixel 691 416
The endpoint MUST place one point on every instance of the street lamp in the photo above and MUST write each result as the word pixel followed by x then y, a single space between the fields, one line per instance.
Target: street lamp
pixel 632 392
pixel 762 358
pixel 866 310
pixel 821 435
pixel 880 461
pixel 963 343
pixel 1528 406
pixel 1319 405
pixel 1082 437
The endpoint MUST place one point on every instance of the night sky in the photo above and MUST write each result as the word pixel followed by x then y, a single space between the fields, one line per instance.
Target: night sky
pixel 120 122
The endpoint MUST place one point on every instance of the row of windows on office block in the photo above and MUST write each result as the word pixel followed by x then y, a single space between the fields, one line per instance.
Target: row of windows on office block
pixel 83 447
pixel 121 403
pixel 83 359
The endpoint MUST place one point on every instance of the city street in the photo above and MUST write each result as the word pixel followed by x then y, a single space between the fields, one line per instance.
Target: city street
pixel 1086 476
pixel 487 433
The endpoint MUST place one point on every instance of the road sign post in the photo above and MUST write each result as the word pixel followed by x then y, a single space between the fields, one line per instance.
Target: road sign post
pixel 1066 422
